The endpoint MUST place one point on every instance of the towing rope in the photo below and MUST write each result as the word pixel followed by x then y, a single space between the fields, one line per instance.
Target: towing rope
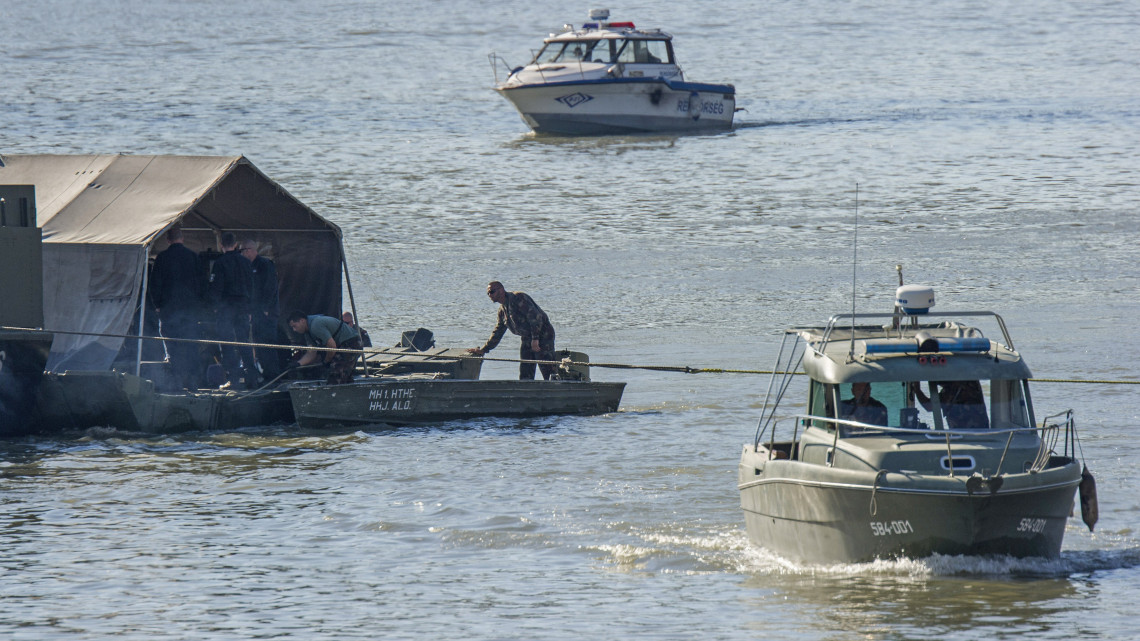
pixel 371 352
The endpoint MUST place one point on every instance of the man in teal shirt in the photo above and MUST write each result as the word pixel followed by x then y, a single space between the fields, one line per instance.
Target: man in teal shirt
pixel 325 331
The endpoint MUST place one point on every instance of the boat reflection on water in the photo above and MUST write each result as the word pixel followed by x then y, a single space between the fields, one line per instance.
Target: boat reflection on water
pixel 895 598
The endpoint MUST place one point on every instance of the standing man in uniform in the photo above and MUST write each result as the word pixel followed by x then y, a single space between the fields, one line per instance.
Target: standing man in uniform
pixel 231 289
pixel 317 330
pixel 263 310
pixel 176 284
pixel 520 314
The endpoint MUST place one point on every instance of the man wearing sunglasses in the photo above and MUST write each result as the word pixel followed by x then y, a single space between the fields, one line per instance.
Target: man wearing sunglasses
pixel 519 313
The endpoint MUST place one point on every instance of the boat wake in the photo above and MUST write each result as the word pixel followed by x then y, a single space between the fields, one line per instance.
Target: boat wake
pixel 802 122
pixel 760 562
pixel 728 550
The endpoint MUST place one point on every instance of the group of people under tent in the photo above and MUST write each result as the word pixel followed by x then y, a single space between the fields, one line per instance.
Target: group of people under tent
pixel 241 292
pixel 238 292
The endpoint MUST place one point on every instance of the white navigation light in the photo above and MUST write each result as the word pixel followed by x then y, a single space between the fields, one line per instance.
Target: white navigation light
pixel 915 299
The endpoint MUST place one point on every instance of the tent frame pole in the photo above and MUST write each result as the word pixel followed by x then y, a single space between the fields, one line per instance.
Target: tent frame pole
pixel 142 308
pixel 351 300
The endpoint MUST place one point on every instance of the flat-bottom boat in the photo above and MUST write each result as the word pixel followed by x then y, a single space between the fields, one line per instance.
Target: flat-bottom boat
pixel 416 399
pixel 919 438
pixel 83 400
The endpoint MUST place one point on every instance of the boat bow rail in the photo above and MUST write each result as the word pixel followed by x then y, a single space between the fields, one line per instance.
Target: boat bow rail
pixel 1049 435
pixel 901 324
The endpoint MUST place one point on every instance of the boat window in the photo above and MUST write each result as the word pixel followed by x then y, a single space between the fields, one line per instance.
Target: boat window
pixel 877 403
pixel 561 52
pixel 1008 407
pixel 548 53
pixel 955 405
pixel 644 52
pixel 819 404
pixel 601 51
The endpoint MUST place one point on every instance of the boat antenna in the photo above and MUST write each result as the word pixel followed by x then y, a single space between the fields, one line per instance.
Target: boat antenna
pixel 854 266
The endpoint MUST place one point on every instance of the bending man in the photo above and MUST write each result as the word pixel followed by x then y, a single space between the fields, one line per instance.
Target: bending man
pixel 520 314
pixel 325 331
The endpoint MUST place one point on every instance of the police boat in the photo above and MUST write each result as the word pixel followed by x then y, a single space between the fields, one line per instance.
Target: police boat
pixel 612 78
pixel 919 438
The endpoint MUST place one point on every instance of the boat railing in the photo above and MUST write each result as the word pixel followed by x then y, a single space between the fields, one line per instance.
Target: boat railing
pixel 1066 426
pixel 496 60
pixel 1050 433
pixel 846 320
pixel 787 364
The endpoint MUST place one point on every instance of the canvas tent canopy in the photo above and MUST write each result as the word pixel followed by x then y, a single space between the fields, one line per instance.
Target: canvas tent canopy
pixel 104 216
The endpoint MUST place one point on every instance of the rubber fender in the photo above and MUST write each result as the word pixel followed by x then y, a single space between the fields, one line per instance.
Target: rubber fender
pixel 695 106
pixel 1090 512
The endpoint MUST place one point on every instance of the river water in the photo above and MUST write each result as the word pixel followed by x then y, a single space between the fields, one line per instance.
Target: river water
pixel 993 147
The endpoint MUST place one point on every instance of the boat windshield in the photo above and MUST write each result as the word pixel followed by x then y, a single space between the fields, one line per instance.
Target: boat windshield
pixel 563 52
pixel 606 50
pixel 954 405
pixel 644 52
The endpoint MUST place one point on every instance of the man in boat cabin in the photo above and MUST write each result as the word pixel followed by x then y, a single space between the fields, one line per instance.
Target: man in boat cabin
pixel 325 331
pixel 963 403
pixel 862 407
pixel 520 314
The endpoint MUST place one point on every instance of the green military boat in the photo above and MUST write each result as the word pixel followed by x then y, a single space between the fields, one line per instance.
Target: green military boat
pixel 919 438
pixel 414 400
pixel 419 398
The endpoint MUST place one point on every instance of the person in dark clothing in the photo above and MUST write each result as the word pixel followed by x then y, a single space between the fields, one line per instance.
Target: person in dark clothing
pixel 963 403
pixel 365 339
pixel 520 314
pixel 325 331
pixel 175 289
pixel 263 310
pixel 862 407
pixel 231 289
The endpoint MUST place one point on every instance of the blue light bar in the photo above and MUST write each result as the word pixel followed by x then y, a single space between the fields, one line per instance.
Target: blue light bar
pixel 908 346
pixel 891 347
pixel 964 344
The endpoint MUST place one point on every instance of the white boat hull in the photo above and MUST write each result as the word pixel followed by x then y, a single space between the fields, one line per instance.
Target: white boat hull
pixel 619 106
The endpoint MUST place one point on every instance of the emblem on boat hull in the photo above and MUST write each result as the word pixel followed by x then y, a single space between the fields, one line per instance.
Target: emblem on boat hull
pixel 574 99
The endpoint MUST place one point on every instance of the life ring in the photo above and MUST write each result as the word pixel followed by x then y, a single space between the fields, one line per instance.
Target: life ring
pixel 695 106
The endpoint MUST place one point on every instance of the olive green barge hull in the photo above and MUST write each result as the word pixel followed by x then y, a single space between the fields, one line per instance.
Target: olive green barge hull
pixel 413 400
pixel 82 400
